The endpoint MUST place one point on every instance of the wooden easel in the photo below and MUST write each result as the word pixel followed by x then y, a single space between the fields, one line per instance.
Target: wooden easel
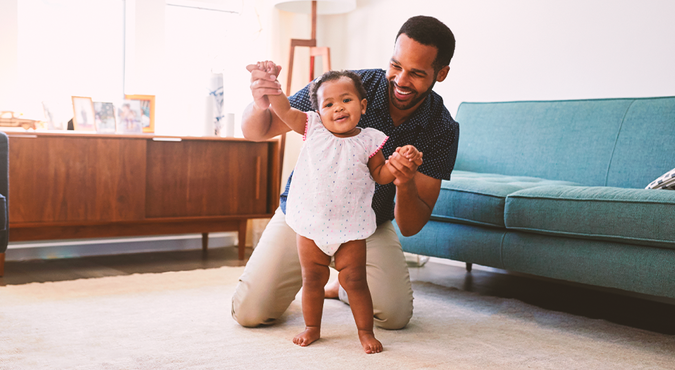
pixel 314 51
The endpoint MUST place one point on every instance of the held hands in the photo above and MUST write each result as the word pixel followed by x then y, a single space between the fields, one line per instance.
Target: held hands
pixel 403 164
pixel 264 82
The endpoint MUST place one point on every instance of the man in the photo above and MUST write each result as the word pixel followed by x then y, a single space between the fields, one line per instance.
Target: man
pixel 401 104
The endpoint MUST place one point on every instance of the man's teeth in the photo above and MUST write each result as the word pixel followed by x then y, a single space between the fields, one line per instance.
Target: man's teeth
pixel 403 92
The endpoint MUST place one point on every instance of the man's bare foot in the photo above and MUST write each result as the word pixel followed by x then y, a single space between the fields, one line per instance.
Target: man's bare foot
pixel 311 334
pixel 332 289
pixel 369 343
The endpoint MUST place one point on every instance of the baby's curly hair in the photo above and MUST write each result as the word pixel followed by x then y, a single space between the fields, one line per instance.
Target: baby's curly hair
pixel 331 76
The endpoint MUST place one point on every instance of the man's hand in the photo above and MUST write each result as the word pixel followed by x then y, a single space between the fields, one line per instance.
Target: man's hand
pixel 403 164
pixel 264 82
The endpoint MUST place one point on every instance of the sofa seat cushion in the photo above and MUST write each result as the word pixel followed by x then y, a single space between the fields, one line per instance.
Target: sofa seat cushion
pixel 635 216
pixel 478 198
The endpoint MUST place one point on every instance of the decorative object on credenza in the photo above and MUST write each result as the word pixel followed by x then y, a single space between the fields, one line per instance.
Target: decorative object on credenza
pixel 214 104
pixel 83 114
pixel 129 117
pixel 147 106
pixel 105 117
pixel 12 119
pixel 51 117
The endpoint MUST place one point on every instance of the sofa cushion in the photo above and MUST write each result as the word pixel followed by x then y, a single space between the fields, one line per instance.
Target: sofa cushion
pixel 635 216
pixel 478 198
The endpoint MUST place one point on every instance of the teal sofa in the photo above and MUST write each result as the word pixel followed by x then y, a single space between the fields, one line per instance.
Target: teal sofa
pixel 557 189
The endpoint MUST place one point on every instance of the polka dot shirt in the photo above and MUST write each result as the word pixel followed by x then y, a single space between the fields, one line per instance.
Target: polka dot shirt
pixel 430 129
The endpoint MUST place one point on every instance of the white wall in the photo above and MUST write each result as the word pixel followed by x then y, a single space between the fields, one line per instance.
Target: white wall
pixel 524 49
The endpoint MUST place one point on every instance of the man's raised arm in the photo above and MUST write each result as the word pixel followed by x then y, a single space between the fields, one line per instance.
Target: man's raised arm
pixel 258 121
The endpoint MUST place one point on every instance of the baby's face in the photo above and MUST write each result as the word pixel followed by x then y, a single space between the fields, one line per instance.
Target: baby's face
pixel 340 107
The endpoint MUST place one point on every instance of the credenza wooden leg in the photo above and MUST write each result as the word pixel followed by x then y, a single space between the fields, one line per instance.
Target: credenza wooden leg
pixel 205 242
pixel 242 238
pixel 2 264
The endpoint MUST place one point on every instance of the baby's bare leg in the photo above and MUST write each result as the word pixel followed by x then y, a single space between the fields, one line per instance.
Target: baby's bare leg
pixel 315 274
pixel 350 261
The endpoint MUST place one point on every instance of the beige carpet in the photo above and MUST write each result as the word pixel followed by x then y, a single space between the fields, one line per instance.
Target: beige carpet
pixel 181 320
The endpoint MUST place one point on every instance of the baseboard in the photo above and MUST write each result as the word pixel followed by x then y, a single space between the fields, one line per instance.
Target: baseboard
pixel 18 251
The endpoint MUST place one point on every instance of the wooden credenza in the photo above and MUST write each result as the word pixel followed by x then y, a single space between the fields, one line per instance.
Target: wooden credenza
pixel 77 185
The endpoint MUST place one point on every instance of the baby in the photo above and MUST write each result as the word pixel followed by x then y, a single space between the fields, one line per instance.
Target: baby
pixel 329 201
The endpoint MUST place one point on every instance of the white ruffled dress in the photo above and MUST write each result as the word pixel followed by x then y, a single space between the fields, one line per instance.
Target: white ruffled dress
pixel 332 190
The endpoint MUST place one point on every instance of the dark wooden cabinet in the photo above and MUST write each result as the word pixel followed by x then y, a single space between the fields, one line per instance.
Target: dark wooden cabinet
pixel 76 185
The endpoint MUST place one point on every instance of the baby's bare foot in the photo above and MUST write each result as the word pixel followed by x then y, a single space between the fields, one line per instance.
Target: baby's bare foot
pixel 369 343
pixel 311 334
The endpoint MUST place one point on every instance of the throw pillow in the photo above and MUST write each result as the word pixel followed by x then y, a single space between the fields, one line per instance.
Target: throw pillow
pixel 666 181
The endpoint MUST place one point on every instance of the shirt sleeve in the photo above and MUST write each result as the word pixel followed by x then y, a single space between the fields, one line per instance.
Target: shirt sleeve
pixel 300 100
pixel 313 121
pixel 440 152
pixel 375 141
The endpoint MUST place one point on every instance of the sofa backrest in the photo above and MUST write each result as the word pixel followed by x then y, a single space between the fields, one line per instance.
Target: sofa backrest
pixel 595 142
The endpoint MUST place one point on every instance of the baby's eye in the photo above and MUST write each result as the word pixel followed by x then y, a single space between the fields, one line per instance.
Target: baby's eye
pixel 328 105
pixel 346 100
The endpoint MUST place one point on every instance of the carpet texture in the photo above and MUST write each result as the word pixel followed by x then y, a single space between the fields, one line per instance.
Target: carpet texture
pixel 181 320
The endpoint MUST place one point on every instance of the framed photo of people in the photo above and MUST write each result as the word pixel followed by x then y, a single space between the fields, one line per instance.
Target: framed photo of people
pixel 147 106
pixel 105 117
pixel 129 115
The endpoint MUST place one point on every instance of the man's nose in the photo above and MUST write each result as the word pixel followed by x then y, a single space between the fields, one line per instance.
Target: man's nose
pixel 402 79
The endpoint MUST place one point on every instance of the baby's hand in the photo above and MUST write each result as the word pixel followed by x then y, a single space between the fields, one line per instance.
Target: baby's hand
pixel 265 66
pixel 269 67
pixel 411 153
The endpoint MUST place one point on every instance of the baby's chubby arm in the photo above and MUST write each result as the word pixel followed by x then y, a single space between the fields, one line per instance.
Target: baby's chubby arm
pixel 293 118
pixel 381 173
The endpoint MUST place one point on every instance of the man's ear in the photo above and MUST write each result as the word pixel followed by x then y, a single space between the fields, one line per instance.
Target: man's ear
pixel 442 74
pixel 364 105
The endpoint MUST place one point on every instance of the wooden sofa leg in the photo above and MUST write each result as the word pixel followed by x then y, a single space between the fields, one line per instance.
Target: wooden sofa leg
pixel 469 266
pixel 2 264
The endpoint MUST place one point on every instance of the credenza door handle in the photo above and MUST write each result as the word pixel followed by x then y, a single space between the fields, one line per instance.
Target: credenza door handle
pixel 258 164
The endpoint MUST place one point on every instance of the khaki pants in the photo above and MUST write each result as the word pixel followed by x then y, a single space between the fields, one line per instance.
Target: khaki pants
pixel 273 277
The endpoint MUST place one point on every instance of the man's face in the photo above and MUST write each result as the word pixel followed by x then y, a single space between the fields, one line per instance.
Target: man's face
pixel 411 75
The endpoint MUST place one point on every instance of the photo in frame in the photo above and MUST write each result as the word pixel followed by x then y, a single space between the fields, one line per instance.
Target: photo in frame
pixel 83 114
pixel 54 122
pixel 147 103
pixel 129 117
pixel 105 117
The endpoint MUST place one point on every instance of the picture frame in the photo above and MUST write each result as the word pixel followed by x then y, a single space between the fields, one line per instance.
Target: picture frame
pixel 147 103
pixel 105 117
pixel 83 114
pixel 129 117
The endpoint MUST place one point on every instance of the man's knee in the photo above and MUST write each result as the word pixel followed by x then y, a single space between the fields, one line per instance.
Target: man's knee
pixel 251 316
pixel 394 317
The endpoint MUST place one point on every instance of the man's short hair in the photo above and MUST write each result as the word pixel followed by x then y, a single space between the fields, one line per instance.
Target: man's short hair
pixel 334 75
pixel 431 32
